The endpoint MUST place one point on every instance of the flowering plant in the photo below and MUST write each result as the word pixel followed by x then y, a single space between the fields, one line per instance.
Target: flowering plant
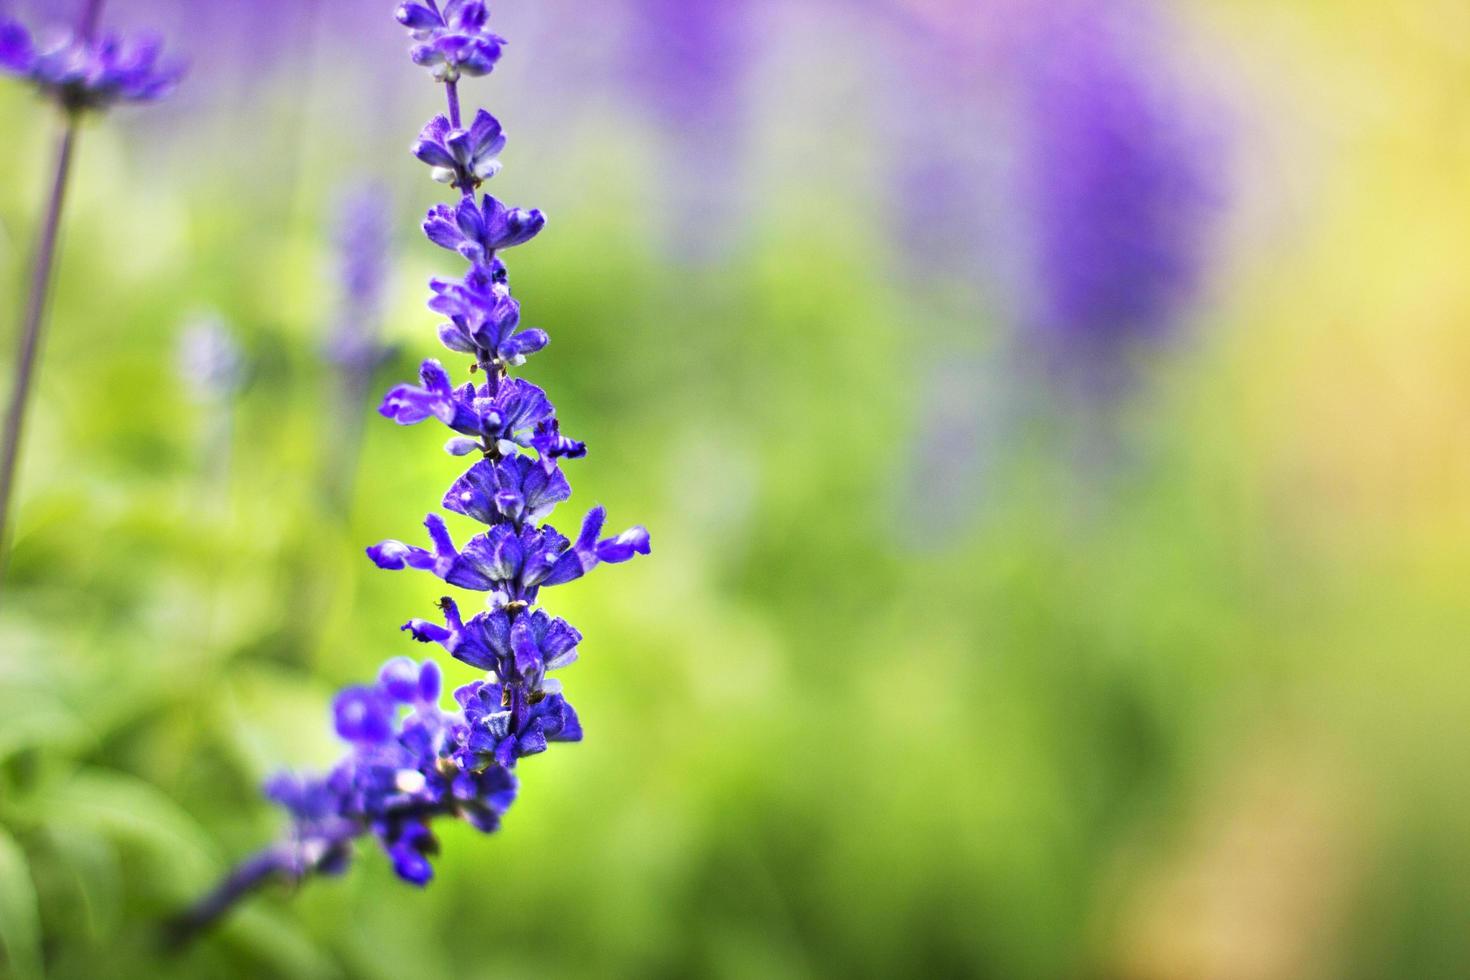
pixel 80 72
pixel 410 762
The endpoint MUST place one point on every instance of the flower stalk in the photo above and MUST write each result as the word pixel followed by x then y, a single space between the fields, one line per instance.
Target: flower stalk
pixel 79 73
pixel 410 763
pixel 30 335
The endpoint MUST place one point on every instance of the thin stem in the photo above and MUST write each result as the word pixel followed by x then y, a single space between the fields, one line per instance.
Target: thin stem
pixel 247 878
pixel 30 339
pixel 451 89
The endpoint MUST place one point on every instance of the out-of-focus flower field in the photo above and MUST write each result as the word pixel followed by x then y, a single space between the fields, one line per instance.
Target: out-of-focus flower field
pixel 1053 423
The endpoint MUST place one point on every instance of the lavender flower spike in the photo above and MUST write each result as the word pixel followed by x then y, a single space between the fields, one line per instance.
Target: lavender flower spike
pixel 410 763
pixel 78 72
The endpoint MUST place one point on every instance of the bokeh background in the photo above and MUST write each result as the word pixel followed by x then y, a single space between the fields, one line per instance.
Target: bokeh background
pixel 1051 418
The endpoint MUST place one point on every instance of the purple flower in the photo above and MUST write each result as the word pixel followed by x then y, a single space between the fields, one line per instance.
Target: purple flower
pixel 513 562
pixel 395 555
pixel 434 398
pixel 505 560
pixel 512 489
pixel 476 232
pixel 515 414
pixel 461 157
pixel 690 64
pixel 452 42
pixel 1118 184
pixel 17 53
pixel 525 647
pixel 402 770
pixel 589 552
pixel 81 73
pixel 550 444
pixel 364 715
pixel 210 361
pixel 506 727
pixel 483 318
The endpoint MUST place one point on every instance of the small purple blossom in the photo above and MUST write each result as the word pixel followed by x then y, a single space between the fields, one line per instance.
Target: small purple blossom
pixel 82 73
pixel 513 561
pixel 461 157
pixel 526 647
pixel 454 41
pixel 408 763
pixel 510 489
pixel 478 232
pixel 210 362
pixel 516 414
pixel 483 318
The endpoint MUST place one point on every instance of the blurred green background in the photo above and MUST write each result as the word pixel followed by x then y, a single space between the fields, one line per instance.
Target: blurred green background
pixel 1166 683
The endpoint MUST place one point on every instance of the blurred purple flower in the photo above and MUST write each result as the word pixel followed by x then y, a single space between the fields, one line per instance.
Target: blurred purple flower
pixel 1117 182
pixel 363 242
pixel 82 72
pixel 689 61
pixel 354 345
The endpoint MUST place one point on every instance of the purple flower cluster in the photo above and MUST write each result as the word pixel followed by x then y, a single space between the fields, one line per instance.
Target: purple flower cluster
pixel 81 72
pixel 411 762
pixel 453 41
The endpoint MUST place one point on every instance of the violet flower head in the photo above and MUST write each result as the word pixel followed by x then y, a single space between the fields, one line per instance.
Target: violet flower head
pixel 451 41
pixel 406 766
pixel 410 763
pixel 1119 187
pixel 82 73
pixel 461 156
pixel 363 245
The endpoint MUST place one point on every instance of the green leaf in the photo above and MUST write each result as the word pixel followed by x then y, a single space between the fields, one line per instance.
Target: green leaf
pixel 129 810
pixel 91 862
pixel 278 943
pixel 20 920
pixel 31 718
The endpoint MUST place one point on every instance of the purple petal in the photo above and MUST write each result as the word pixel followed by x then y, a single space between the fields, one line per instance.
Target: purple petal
pixel 430 683
pixel 524 344
pixel 395 556
pixel 16 51
pixel 442 228
pixel 399 679
pixel 523 642
pixel 427 632
pixel 417 17
pixel 633 541
pixel 361 714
